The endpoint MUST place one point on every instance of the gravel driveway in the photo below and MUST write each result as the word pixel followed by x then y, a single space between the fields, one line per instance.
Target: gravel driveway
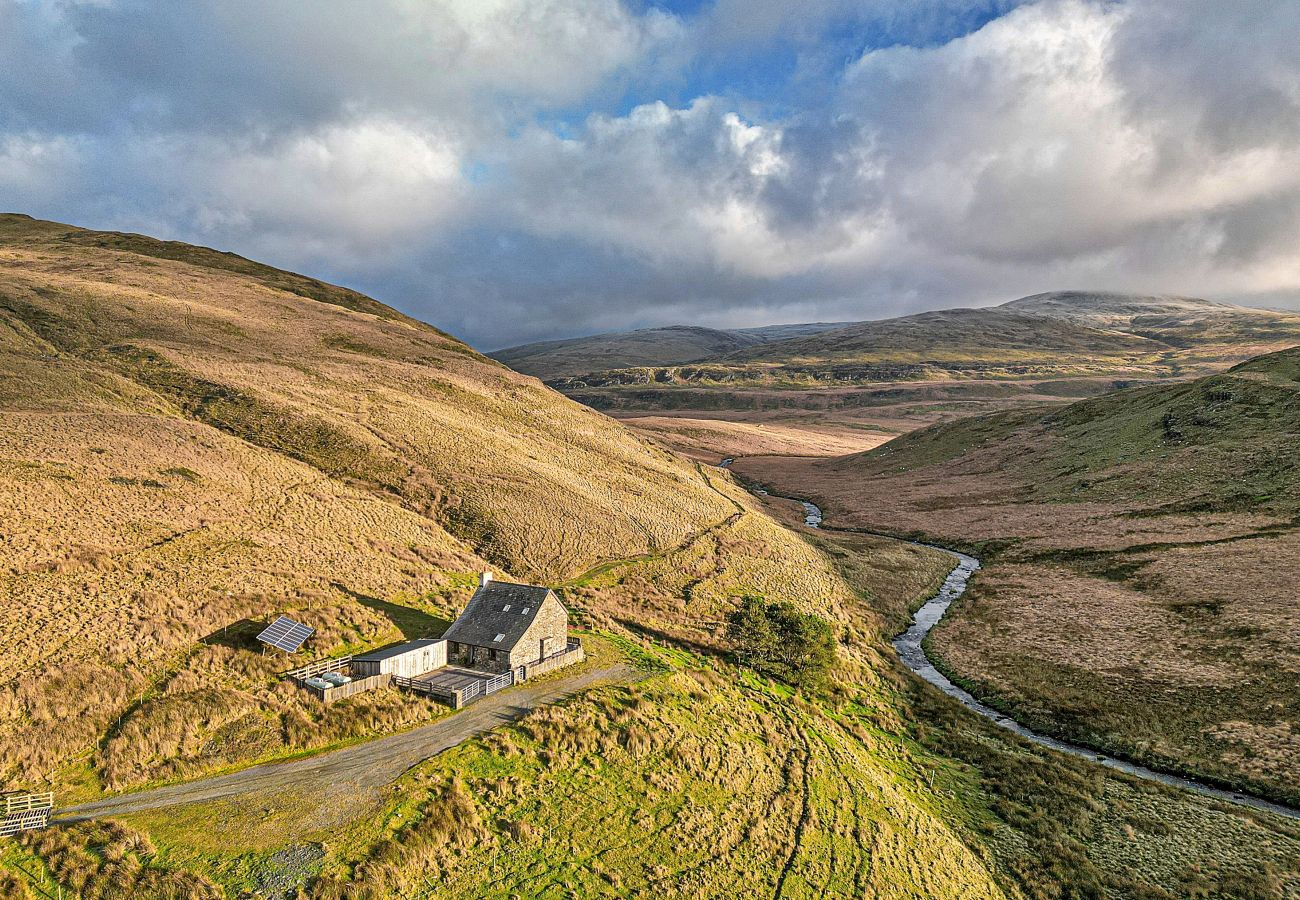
pixel 361 767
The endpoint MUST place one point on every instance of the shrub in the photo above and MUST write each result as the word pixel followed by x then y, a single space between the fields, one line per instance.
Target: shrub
pixel 107 860
pixel 779 641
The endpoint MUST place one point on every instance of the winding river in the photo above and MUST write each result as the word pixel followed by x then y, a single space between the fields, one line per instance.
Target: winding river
pixel 911 650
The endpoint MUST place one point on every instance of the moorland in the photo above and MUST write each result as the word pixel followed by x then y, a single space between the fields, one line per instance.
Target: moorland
pixel 1140 551
pixel 852 387
pixel 193 442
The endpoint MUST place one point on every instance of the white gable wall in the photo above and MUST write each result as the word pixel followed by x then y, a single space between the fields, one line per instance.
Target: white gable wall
pixel 416 661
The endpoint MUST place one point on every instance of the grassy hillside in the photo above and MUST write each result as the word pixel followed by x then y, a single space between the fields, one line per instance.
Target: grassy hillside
pixel 699 781
pixel 1216 444
pixel 1143 552
pixel 193 442
pixel 1180 322
pixel 380 402
pixel 888 377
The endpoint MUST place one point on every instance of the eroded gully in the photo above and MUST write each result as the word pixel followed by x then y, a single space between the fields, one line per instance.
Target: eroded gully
pixel 910 646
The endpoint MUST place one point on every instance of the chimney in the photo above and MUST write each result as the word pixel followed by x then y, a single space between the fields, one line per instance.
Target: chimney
pixel 484 579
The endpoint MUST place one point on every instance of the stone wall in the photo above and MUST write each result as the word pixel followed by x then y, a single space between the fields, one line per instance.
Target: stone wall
pixel 573 654
pixel 551 621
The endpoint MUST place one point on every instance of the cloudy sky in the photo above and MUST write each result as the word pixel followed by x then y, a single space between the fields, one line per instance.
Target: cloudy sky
pixel 513 170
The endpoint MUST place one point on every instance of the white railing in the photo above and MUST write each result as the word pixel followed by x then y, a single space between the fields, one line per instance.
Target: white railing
pixel 25 812
pixel 504 680
pixel 320 667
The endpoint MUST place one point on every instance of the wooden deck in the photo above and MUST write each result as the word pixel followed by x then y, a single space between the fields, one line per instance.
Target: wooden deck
pixel 455 685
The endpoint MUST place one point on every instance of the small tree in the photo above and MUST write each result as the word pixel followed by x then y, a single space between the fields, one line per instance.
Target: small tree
pixel 781 642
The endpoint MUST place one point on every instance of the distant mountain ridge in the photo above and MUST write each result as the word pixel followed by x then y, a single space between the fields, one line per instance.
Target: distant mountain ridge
pixel 1096 307
pixel 664 346
pixel 941 332
pixel 1060 331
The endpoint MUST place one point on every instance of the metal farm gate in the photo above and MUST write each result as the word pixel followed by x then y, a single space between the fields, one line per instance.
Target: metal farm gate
pixel 24 812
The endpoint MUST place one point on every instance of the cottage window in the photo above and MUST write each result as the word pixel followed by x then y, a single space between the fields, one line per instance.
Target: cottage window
pixel 506 608
pixel 498 639
pixel 525 612
pixel 492 655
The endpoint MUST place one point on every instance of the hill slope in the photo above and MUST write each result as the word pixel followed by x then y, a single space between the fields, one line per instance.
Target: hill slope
pixel 122 325
pixel 1116 310
pixel 192 440
pixel 1061 334
pixel 886 377
pixel 968 334
pixel 1180 322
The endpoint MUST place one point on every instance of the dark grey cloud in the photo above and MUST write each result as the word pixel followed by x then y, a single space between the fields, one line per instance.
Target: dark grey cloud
pixel 473 161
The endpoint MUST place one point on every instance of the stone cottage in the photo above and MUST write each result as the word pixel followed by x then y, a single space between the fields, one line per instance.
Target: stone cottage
pixel 508 626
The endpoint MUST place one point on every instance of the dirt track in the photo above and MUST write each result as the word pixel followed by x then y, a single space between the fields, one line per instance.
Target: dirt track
pixel 363 767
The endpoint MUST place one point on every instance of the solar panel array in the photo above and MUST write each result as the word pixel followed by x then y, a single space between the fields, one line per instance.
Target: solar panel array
pixel 286 634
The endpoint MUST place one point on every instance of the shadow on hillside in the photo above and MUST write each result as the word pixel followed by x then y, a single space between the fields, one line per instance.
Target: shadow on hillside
pixel 240 635
pixel 413 623
pixel 665 637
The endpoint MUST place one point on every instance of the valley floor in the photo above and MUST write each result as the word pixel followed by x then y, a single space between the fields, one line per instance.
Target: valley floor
pixel 1167 639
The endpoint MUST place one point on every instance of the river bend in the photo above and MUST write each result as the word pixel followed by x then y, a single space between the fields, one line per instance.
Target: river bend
pixel 911 650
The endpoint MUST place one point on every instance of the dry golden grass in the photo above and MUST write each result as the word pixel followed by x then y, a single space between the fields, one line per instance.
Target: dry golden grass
pixel 1138 593
pixel 109 861
pixel 107 580
pixel 710 440
pixel 380 400
pixel 190 440
pixel 719 791
pixel 696 783
pixel 687 593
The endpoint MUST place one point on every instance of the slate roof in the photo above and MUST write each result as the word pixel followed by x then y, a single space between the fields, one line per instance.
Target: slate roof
pixel 486 617
pixel 397 650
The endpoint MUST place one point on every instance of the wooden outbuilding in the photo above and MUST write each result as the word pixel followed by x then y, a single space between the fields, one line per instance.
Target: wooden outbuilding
pixel 407 660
